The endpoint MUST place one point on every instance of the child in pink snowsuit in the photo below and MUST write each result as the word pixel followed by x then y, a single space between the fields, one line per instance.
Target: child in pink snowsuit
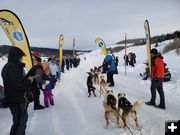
pixel 48 96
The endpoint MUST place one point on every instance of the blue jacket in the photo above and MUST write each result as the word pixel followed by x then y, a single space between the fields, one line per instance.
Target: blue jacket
pixel 111 64
pixel 51 84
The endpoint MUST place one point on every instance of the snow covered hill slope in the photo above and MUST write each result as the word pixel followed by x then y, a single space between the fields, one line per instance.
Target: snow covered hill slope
pixel 76 114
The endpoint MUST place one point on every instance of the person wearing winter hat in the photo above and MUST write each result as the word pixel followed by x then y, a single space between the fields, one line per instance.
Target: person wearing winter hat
pixel 35 87
pixel 154 51
pixel 15 87
pixel 38 59
pixel 111 69
pixel 157 76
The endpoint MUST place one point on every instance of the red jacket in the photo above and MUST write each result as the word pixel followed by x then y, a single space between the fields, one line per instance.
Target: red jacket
pixel 157 68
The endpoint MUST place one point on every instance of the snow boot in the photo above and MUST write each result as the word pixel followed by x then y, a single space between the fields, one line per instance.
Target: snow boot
pixel 160 107
pixel 150 103
pixel 39 107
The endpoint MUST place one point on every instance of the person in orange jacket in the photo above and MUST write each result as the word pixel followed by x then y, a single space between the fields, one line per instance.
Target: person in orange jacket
pixel 157 76
pixel 44 65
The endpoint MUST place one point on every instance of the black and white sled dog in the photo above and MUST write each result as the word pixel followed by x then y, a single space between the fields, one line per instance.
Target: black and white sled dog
pixel 90 86
pixel 128 110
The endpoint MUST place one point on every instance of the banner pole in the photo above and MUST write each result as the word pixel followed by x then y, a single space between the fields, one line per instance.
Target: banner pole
pixel 125 52
pixel 73 47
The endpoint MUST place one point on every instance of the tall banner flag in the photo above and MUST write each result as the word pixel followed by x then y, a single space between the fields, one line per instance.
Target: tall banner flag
pixel 125 53
pixel 73 47
pixel 61 44
pixel 15 32
pixel 102 45
pixel 148 43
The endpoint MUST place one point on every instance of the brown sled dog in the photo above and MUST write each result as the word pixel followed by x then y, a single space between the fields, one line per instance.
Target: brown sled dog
pixel 128 110
pixel 103 85
pixel 95 75
pixel 110 109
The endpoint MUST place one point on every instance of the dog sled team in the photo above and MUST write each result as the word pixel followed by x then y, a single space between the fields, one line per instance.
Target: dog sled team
pixel 109 66
pixel 119 107
pixel 96 78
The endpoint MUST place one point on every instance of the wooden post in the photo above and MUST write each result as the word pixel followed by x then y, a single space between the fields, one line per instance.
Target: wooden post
pixel 125 53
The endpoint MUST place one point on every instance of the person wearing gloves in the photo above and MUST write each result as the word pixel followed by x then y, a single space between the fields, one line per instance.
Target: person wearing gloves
pixel 36 86
pixel 15 88
pixel 157 77
pixel 111 69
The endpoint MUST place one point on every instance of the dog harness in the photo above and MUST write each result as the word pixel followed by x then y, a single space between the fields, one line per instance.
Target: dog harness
pixel 124 104
pixel 111 100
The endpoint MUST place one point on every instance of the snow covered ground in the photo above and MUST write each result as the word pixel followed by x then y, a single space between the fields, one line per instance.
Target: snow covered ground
pixel 76 114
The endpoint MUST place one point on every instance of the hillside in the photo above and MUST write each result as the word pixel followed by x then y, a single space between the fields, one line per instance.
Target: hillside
pixel 44 51
pixel 154 39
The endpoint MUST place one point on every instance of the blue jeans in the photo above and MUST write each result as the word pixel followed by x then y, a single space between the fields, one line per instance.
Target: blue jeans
pixel 157 84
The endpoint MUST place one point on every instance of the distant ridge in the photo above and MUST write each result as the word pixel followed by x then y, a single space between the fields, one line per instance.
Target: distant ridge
pixel 154 39
pixel 4 49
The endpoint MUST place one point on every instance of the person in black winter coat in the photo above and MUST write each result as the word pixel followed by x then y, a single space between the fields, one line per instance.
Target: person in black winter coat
pixel 37 72
pixel 132 58
pixel 67 63
pixel 63 65
pixel 90 85
pixel 71 62
pixel 15 87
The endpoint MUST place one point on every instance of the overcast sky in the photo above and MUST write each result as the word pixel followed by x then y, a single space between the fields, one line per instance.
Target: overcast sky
pixel 84 20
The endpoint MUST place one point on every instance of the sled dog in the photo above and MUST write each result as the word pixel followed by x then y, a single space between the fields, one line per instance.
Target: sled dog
pixel 103 85
pixel 128 110
pixel 110 109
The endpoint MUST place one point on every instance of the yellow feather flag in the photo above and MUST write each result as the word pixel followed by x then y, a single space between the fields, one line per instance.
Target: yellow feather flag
pixel 102 45
pixel 14 30
pixel 148 43
pixel 61 44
